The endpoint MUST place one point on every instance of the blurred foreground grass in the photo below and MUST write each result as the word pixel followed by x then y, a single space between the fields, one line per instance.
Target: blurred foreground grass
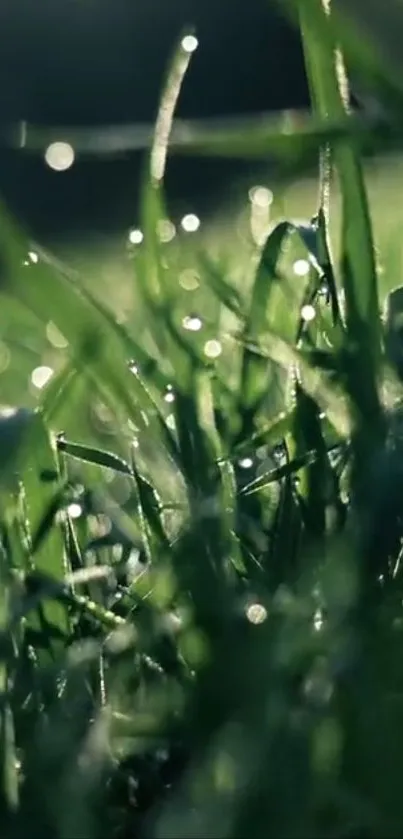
pixel 201 596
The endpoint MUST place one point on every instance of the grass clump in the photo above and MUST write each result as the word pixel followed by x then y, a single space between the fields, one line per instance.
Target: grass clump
pixel 216 652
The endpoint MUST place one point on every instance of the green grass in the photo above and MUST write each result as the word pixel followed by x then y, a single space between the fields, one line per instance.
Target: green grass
pixel 200 558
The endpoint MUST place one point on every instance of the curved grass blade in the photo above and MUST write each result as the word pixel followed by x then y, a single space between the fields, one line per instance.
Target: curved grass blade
pixel 329 398
pixel 363 326
pixel 269 306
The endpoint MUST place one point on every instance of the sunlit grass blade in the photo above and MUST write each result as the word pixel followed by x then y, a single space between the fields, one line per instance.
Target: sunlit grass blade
pixel 331 97
pixel 270 307
pixel 152 275
pixel 97 457
pixel 329 397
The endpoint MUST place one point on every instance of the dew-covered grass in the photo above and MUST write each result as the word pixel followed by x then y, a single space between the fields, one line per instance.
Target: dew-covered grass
pixel 200 506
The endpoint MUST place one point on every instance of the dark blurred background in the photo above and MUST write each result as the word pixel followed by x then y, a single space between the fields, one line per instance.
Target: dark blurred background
pixel 88 62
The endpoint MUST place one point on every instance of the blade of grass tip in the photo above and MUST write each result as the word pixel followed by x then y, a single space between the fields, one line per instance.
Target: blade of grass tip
pixel 322 220
pixel 98 457
pixel 363 325
pixel 151 271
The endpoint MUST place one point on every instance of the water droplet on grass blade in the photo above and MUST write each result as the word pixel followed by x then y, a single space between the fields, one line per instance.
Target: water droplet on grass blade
pixel 166 230
pixel 192 322
pixel 189 280
pixel 261 197
pixel 189 43
pixel 74 511
pixel 190 223
pixel 59 156
pixel 212 349
pixel 256 613
pixel 301 267
pixel 41 376
pixel 308 313
pixel 135 237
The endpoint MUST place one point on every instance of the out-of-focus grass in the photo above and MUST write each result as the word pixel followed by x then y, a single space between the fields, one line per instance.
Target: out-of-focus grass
pixel 200 541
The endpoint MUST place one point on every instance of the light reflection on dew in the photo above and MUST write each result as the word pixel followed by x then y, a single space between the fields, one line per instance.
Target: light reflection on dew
pixel 59 156
pixel 261 197
pixel 189 43
pixel 190 223
pixel 166 230
pixel 74 510
pixel 41 376
pixel 256 613
pixel 135 237
pixel 33 257
pixel 189 280
pixel 301 267
pixel 55 337
pixel 318 620
pixel 192 322
pixel 246 463
pixel 170 421
pixel 169 397
pixel 212 349
pixel 308 313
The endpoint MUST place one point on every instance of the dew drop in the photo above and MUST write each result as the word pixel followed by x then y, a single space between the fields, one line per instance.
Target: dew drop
pixel 256 613
pixel 261 197
pixel 59 156
pixel 246 463
pixel 190 223
pixel 192 322
pixel 41 376
pixel 166 230
pixel 308 313
pixel 212 349
pixel 33 257
pixel 135 237
pixel 189 43
pixel 189 280
pixel 74 511
pixel 301 267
